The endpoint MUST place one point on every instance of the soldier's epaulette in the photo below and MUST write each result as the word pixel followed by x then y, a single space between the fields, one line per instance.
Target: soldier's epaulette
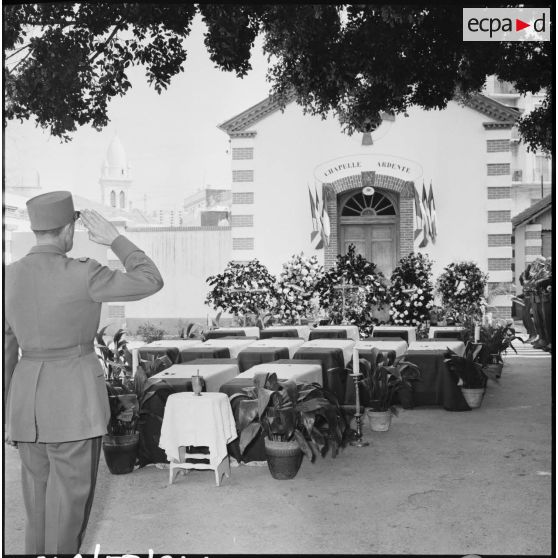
pixel 84 259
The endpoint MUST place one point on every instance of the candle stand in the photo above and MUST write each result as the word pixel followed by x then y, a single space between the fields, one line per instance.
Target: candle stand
pixel 356 375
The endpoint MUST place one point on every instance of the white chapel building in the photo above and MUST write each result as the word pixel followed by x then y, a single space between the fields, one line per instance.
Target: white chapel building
pixel 468 152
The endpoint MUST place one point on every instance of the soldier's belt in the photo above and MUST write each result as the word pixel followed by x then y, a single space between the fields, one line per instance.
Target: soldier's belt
pixel 59 354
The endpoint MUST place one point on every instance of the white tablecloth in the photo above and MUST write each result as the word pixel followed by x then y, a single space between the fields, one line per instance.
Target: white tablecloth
pixel 397 345
pixel 289 342
pixel 409 330
pixel 302 330
pixel 440 345
pixel 234 345
pixel 215 375
pixel 192 420
pixel 176 343
pixel 285 371
pixel 454 329
pixel 249 331
pixel 352 330
pixel 346 345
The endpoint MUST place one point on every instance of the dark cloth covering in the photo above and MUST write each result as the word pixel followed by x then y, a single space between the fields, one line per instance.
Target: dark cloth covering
pixel 186 355
pixel 389 335
pixel 250 357
pixel 268 333
pixel 328 334
pixel 437 384
pixel 217 334
pixel 146 353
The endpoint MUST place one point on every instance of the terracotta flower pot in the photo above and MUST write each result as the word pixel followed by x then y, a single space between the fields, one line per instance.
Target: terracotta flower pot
pixel 379 421
pixel 473 396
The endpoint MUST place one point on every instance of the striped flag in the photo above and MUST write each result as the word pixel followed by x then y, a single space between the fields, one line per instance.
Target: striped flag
pixel 432 212
pixel 313 209
pixel 426 219
pixel 418 214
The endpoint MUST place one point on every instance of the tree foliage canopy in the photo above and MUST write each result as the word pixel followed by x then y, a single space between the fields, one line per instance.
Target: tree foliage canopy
pixel 64 62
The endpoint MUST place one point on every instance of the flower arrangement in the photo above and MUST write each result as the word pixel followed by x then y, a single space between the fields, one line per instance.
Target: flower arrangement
pixel 296 287
pixel 461 287
pixel 352 305
pixel 243 290
pixel 410 292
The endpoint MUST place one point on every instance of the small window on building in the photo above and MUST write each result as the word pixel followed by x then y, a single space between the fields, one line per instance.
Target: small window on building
pixel 361 205
pixel 113 198
pixel 122 200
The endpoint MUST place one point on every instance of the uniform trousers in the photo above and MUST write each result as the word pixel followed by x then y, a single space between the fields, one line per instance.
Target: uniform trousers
pixel 58 485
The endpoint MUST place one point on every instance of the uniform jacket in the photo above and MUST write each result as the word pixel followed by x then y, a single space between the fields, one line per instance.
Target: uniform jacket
pixel 54 302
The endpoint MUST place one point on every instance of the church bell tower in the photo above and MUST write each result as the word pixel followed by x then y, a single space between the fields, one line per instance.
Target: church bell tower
pixel 116 177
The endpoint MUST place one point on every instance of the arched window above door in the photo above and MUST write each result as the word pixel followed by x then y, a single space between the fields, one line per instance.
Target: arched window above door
pixel 361 205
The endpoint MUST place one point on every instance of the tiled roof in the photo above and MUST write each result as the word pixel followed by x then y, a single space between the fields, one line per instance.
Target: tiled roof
pixel 526 214
pixel 240 123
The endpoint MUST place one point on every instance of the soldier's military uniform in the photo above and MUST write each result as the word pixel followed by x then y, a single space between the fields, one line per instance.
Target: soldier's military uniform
pixel 57 405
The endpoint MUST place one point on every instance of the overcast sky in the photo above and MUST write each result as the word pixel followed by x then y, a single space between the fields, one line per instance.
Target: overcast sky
pixel 171 140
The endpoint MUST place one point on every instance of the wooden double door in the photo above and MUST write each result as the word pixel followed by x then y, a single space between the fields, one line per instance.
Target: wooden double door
pixel 375 238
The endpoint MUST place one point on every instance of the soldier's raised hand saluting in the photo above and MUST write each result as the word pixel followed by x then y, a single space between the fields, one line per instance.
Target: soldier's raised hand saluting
pixel 100 230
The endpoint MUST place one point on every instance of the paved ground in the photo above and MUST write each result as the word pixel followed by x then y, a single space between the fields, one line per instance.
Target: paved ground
pixel 438 482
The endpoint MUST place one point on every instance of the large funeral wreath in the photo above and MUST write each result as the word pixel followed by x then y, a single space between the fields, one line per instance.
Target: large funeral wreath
pixel 410 292
pixel 296 288
pixel 243 289
pixel 356 306
pixel 461 287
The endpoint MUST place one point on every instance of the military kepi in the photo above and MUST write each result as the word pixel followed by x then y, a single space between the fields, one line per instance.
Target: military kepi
pixel 51 210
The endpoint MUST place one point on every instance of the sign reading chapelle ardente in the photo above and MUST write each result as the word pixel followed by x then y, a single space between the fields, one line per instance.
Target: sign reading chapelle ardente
pixel 349 165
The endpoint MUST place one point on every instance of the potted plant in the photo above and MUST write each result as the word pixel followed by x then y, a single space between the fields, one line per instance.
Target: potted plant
pixel 496 340
pixel 116 358
pixel 296 420
pixel 382 382
pixel 470 372
pixel 120 444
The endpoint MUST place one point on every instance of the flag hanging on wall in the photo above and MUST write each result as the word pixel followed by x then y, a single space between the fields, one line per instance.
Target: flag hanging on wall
pixel 432 212
pixel 320 220
pixel 425 218
pixel 419 231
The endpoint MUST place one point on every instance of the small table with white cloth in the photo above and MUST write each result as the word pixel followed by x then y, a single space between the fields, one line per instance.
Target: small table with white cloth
pixel 167 347
pixel 214 375
pixel 198 421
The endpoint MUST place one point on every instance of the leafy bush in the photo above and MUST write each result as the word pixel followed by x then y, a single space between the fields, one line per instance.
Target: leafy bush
pixel 410 292
pixel 461 287
pixel 243 290
pixel 115 356
pixel 149 332
pixel 296 288
pixel 357 305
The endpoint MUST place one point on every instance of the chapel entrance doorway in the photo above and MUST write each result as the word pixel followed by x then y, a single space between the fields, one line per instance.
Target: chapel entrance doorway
pixel 371 223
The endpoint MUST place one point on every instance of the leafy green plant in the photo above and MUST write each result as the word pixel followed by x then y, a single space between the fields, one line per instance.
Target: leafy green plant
pixel 115 356
pixel 497 339
pixel 384 380
pixel 150 332
pixel 468 367
pixel 124 414
pixel 286 410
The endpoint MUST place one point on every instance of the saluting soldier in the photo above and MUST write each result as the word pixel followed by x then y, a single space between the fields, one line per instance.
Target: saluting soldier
pixel 57 404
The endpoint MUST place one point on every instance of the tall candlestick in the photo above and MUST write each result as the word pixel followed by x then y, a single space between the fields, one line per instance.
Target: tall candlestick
pixel 356 366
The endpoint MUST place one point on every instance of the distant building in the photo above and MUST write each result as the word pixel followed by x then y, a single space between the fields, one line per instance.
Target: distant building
pixel 208 207
pixel 116 176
